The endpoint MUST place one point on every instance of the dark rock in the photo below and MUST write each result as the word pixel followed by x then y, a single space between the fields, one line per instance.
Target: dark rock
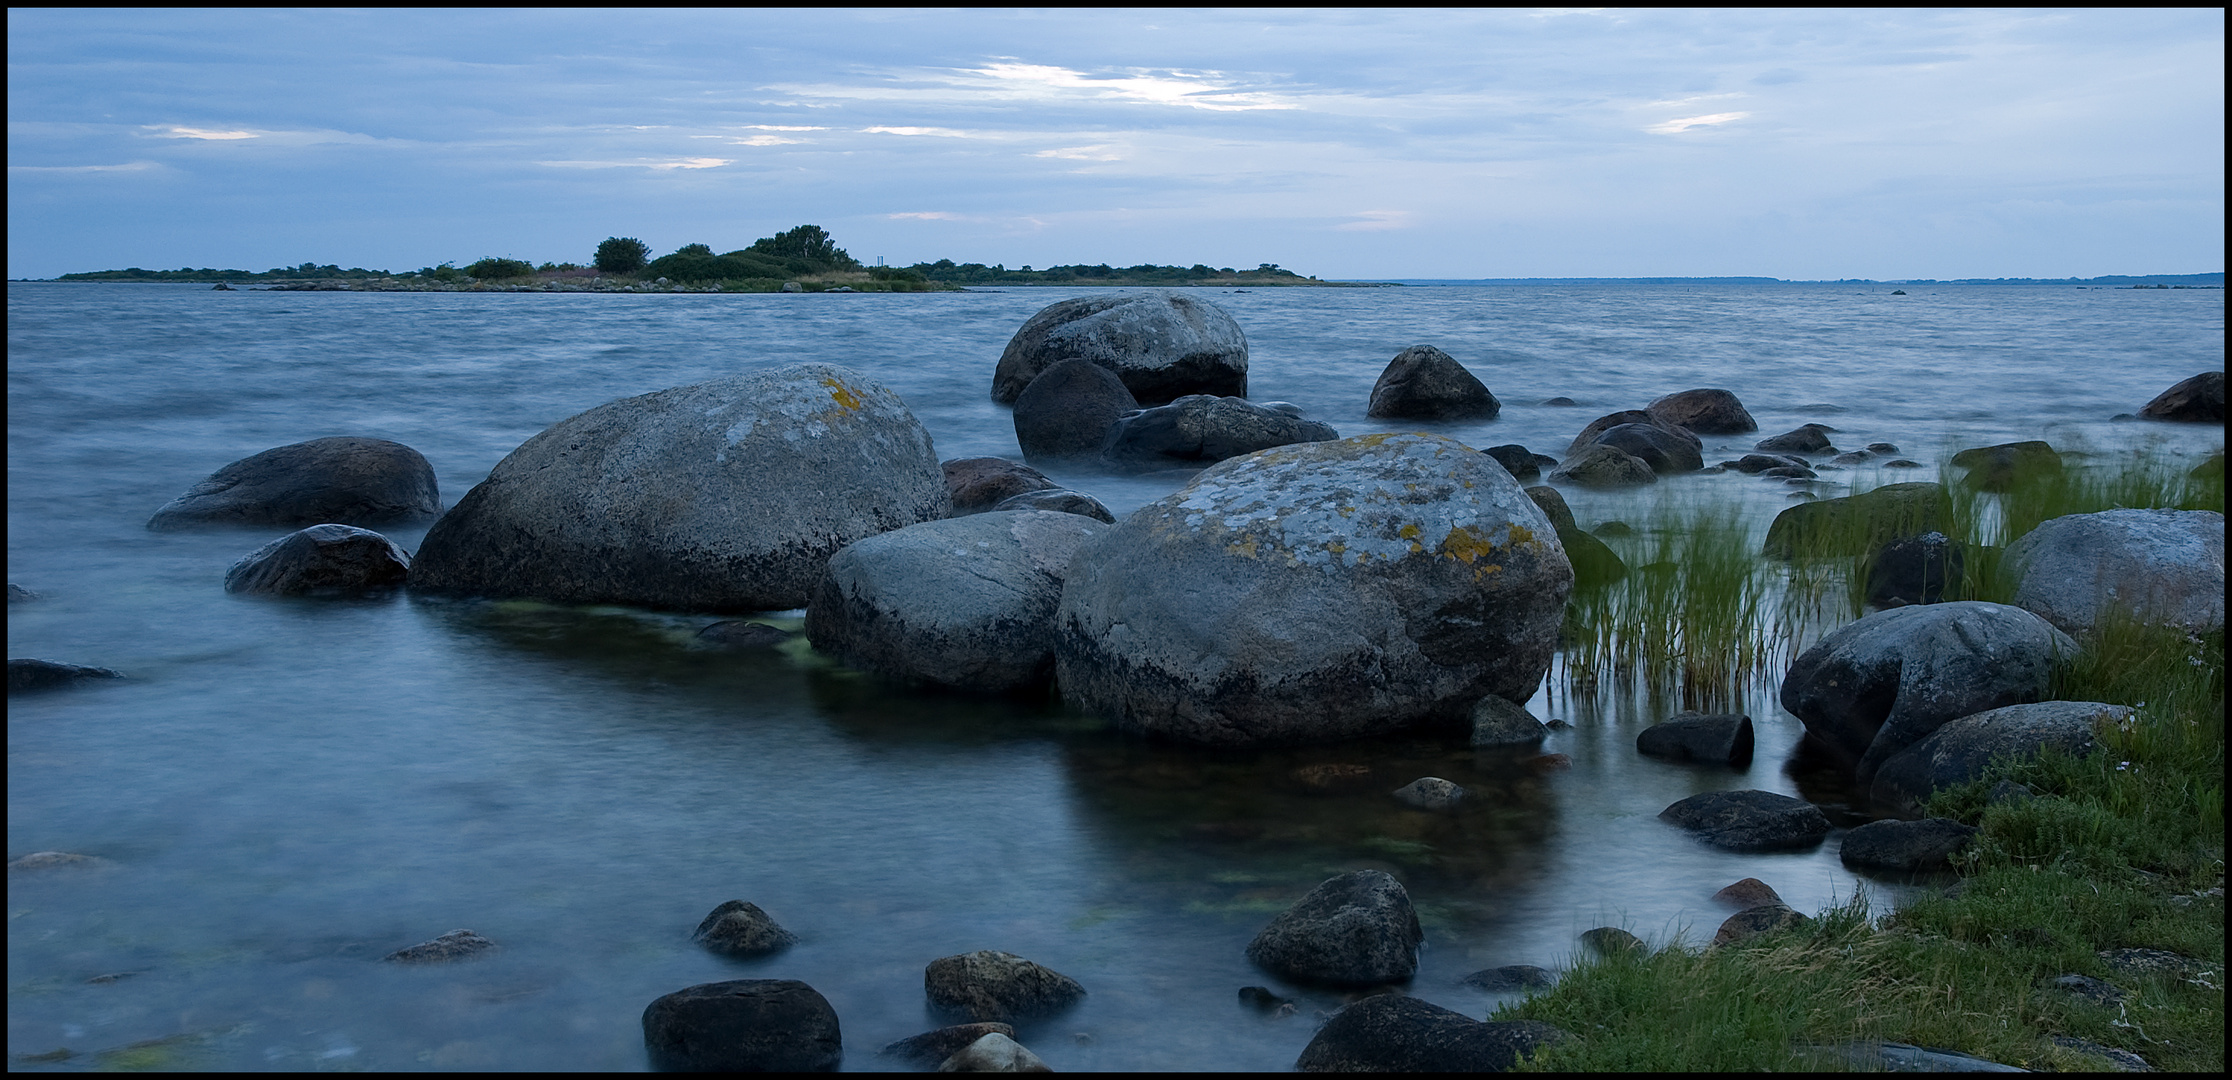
pixel 348 480
pixel 744 1025
pixel 1789 472
pixel 2094 990
pixel 1608 421
pixel 1923 569
pixel 1602 466
pixel 994 1053
pixel 1424 383
pixel 996 986
pixel 740 634
pixel 1902 463
pixel 1905 845
pixel 2009 792
pixel 2000 468
pixel 1958 751
pixel 1721 739
pixel 1561 402
pixel 1882 448
pixel 1430 793
pixel 455 945
pixel 740 928
pixel 1748 893
pixel 722 496
pixel 1515 459
pixel 1496 722
pixel 1334 778
pixel 1508 978
pixel 2199 399
pixel 1852 457
pixel 1594 564
pixel 30 676
pixel 1750 820
pixel 1658 447
pixel 1808 439
pixel 1261 999
pixel 1756 921
pixel 1759 463
pixel 980 483
pixel 1859 524
pixel 1287 407
pixel 1163 345
pixel 1357 929
pixel 1068 411
pixel 56 860
pixel 932 1047
pixel 1199 429
pixel 17 594
pixel 1707 412
pixel 2159 567
pixel 1059 501
pixel 322 560
pixel 1553 506
pixel 1392 1033
pixel 2117 1060
pixel 1612 941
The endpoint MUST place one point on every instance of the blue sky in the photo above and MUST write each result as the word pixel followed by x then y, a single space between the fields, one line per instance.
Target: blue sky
pixel 1346 144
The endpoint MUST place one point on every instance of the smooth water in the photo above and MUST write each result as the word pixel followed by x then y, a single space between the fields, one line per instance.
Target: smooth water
pixel 287 790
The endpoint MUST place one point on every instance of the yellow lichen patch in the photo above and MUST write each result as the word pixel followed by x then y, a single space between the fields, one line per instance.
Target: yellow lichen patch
pixel 1466 544
pixel 1408 532
pixel 1520 534
pixel 1373 440
pixel 842 394
pixel 1245 547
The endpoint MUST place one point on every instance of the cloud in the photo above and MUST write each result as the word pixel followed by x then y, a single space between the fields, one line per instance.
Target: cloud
pixel 129 166
pixel 203 133
pixel 1080 153
pixel 1671 127
pixel 943 133
pixel 1192 89
pixel 684 163
pixel 764 140
pixel 924 215
pixel 1377 221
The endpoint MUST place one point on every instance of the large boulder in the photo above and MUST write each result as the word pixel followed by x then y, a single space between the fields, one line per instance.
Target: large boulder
pixel 322 560
pixel 1658 447
pixel 1601 466
pixel 1067 410
pixel 991 986
pixel 1425 383
pixel 1921 569
pixel 1879 685
pixel 1198 429
pixel 1163 345
pixel 1750 820
pixel 1707 412
pixel 1957 752
pixel 2199 399
pixel 1859 524
pixel 1906 846
pixel 349 480
pixel 2000 468
pixel 966 603
pixel 743 1025
pixel 1357 929
pixel 1317 592
pixel 1394 1033
pixel 2161 567
pixel 727 495
pixel 979 484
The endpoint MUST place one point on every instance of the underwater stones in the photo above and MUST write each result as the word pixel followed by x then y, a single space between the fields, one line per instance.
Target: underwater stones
pixel 1957 751
pixel 455 945
pixel 966 603
pixel 1915 570
pixel 978 484
pixel 936 1046
pixel 346 479
pixel 727 495
pixel 1756 922
pixel 1750 820
pixel 1060 501
pixel 994 1052
pixel 1878 685
pixel 743 1025
pixel 1200 429
pixel 1724 739
pixel 740 928
pixel 1707 412
pixel 996 986
pixel 1999 468
pixel 1162 345
pixel 321 560
pixel 1430 793
pixel 1316 592
pixel 1067 411
pixel 2159 567
pixel 1905 846
pixel 1601 466
pixel 1425 383
pixel 1661 449
pixel 28 676
pixel 1806 439
pixel 1393 1033
pixel 2199 399
pixel 1859 524
pixel 1496 722
pixel 1357 929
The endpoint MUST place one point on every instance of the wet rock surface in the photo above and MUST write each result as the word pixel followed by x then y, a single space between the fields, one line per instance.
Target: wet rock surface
pixel 1859 524
pixel 1805 439
pixel 1905 846
pixel 743 1025
pixel 455 945
pixel 1750 820
pixel 1601 466
pixel 1923 569
pixel 743 635
pixel 994 1052
pixel 30 676
pixel 1392 1033
pixel 1999 468
pixel 1162 345
pixel 322 560
pixel 987 985
pixel 740 928
pixel 1059 501
pixel 1200 429
pixel 1508 978
pixel 1496 722
pixel 1425 383
pixel 346 480
pixel 1716 738
pixel 978 484
pixel 1357 929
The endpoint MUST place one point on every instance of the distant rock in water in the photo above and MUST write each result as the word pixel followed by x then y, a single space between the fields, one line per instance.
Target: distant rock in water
pixel 30 676
pixel 322 560
pixel 1163 345
pixel 345 480
pixel 455 945
pixel 2199 399
pixel 1425 383
pixel 1805 439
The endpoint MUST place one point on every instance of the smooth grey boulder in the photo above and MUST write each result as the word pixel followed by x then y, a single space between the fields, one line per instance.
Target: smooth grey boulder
pixel 744 1025
pixel 1859 524
pixel 1496 722
pixel 1805 439
pixel 1316 592
pixel 996 986
pixel 993 1052
pixel 1758 921
pixel 455 945
pixel 1750 820
pixel 978 484
pixel 1958 751
pixel 2199 399
pixel 740 928
pixel 1608 421
pixel 1059 501
pixel 346 479
pixel 1357 929
pixel 1393 1033
pixel 1707 412
pixel 1517 460
pixel 31 676
pixel 1905 845
pixel 1923 569
pixel 727 495
pixel 966 603
pixel 322 560
pixel 932 1047
pixel 2158 567
pixel 1877 686
pixel 1163 345
pixel 2000 468
pixel 1602 466
pixel 1199 429
pixel 1068 410
pixel 1425 383
pixel 1661 449
pixel 1720 739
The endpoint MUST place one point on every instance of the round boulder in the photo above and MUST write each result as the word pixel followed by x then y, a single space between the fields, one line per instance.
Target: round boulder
pixel 1757 922
pixel 994 1052
pixel 1661 449
pixel 978 484
pixel 1859 524
pixel 1163 345
pixel 1199 429
pixel 350 480
pixel 1707 412
pixel 1424 383
pixel 743 1025
pixel 1958 752
pixel 1608 421
pixel 1921 569
pixel 322 560
pixel 1067 410
pixel 2199 399
pixel 1517 459
pixel 997 987
pixel 727 495
pixel 2160 567
pixel 740 928
pixel 1750 820
pixel 1496 722
pixel 2000 468
pixel 1598 465
pixel 966 603
pixel 1807 439
pixel 1357 929
pixel 1393 1033
pixel 1317 592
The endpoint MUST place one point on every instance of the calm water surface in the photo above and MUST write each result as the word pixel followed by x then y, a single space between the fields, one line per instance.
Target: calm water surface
pixel 288 790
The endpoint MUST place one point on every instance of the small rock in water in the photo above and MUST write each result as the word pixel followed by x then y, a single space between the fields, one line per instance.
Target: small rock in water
pixel 1750 820
pixel 1263 1000
pixel 18 594
pixel 31 676
pixel 743 634
pixel 322 560
pixel 1332 777
pixel 936 1046
pixel 1723 739
pixel 1755 921
pixel 1507 978
pixel 1060 501
pixel 1357 929
pixel 1431 793
pixel 1496 722
pixel 740 928
pixel 1547 763
pixel 54 860
pixel 1901 463
pixel 1561 403
pixel 455 945
pixel 1608 940
pixel 1882 448
pixel 1748 893
pixel 994 1053
pixel 998 986
pixel 1394 1033
pixel 1805 439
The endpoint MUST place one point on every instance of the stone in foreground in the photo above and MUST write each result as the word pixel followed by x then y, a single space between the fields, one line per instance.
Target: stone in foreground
pixel 1163 345
pixel 1750 820
pixel 1958 751
pixel 994 1053
pixel 990 986
pixel 1392 1033
pixel 1357 929
pixel 348 480
pixel 2158 567
pixel 2199 399
pixel 1756 921
pixel 1905 846
pixel 322 560
pixel 743 1025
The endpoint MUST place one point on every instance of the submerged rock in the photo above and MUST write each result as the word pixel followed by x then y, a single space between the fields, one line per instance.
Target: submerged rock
pixel 1999 468
pixel 1199 429
pixel 996 986
pixel 346 480
pixel 1721 739
pixel 740 928
pixel 1602 466
pixel 1608 421
pixel 1163 345
pixel 1750 820
pixel 1655 446
pixel 1496 722
pixel 1425 383
pixel 1357 929
pixel 1805 439
pixel 743 1025
pixel 322 560
pixel 743 634
pixel 1707 412
pixel 1508 978
pixel 1430 793
pixel 455 945
pixel 1392 1033
pixel 27 676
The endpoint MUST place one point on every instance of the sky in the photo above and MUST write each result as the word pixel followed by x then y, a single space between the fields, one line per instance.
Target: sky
pixel 1806 144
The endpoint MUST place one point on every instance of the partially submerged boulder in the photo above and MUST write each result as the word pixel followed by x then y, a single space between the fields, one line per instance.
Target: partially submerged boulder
pixel 1805 439
pixel 1608 421
pixel 987 985
pixel 1661 449
pixel 1719 739
pixel 1496 722
pixel 1059 501
pixel 26 675
pixel 455 945
pixel 1905 846
pixel 932 1047
pixel 1958 751
pixel 1068 410
pixel 2000 468
pixel 2159 567
pixel 322 560
pixel 740 928
pixel 1750 820
pixel 1163 345
pixel 978 484
pixel 345 479
pixel 2199 399
pixel 1425 383
pixel 1199 429
pixel 1859 524
pixel 1601 466
pixel 1393 1033
pixel 1707 412
pixel 1517 460
pixel 744 1025
pixel 1357 929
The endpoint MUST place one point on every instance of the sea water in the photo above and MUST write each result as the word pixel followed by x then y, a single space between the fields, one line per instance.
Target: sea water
pixel 285 790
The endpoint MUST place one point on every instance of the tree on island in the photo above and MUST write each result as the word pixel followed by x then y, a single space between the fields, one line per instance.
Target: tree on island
pixel 622 255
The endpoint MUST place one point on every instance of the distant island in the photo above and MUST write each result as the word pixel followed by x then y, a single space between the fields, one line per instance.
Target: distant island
pixel 804 259
pixel 2144 281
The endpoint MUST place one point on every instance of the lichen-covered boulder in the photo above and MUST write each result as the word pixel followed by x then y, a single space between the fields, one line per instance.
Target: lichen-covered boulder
pixel 322 560
pixel 988 985
pixel 1198 429
pixel 966 603
pixel 1357 929
pixel 744 1025
pixel 346 479
pixel 1879 685
pixel 727 495
pixel 2160 567
pixel 1957 752
pixel 1067 411
pixel 1707 412
pixel 1163 345
pixel 2199 399
pixel 1425 383
pixel 1394 1033
pixel 1316 592
pixel 978 484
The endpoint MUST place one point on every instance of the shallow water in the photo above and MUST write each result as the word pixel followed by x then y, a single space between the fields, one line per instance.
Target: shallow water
pixel 288 790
